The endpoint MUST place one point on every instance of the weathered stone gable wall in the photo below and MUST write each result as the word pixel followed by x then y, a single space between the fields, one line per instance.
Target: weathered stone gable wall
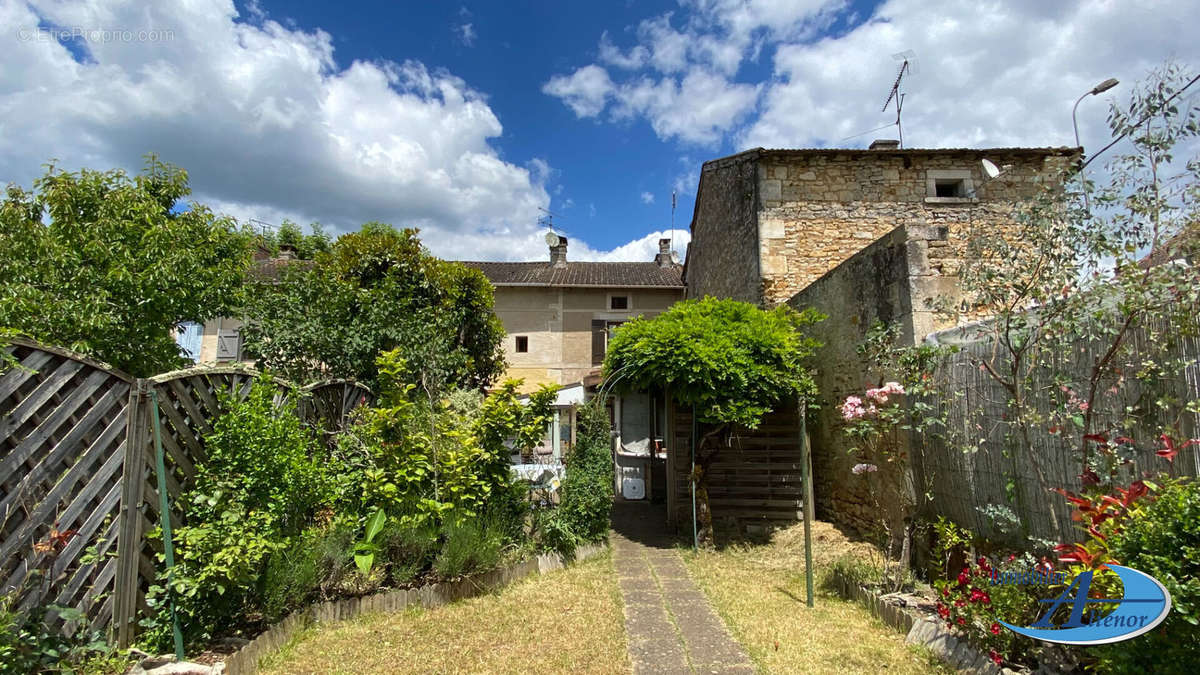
pixel 817 210
pixel 722 260
pixel 889 281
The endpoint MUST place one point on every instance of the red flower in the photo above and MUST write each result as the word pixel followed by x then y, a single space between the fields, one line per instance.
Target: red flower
pixel 959 602
pixel 963 577
pixel 977 595
pixel 962 621
pixel 946 592
pixel 1012 557
pixel 994 656
pixel 943 611
pixel 995 628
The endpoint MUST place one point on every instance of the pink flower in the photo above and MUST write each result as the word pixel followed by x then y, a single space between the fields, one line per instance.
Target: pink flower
pixel 893 388
pixel 863 468
pixel 1083 406
pixel 852 408
pixel 877 395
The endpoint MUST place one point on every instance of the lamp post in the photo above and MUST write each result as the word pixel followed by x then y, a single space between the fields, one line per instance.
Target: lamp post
pixel 1098 89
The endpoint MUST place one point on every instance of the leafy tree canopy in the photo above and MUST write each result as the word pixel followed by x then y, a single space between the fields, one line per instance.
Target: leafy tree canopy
pixel 374 291
pixel 731 360
pixel 108 265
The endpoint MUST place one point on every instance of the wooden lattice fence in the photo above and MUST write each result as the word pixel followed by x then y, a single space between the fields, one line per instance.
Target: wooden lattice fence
pixel 77 455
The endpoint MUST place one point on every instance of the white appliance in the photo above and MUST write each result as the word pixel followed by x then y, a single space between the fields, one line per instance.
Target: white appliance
pixel 633 488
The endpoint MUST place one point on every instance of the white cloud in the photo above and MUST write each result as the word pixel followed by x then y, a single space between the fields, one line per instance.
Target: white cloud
pixel 647 198
pixel 466 34
pixel 264 119
pixel 586 90
pixel 1002 73
pixel 642 249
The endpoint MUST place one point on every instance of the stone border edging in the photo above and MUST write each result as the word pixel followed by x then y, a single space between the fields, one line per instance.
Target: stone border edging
pixel 919 629
pixel 245 660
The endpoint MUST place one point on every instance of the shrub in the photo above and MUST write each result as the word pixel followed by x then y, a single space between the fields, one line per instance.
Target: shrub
pixel 28 644
pixel 1162 540
pixel 585 511
pixel 292 576
pixel 470 547
pixel 407 551
pixel 258 487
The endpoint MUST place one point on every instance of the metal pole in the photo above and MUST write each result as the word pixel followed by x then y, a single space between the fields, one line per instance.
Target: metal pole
pixel 695 529
pixel 806 480
pixel 1075 124
pixel 164 512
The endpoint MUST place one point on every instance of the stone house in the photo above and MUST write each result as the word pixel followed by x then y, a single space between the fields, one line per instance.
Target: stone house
pixel 862 235
pixel 558 315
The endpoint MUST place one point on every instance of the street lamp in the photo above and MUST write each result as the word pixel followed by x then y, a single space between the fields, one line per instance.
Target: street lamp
pixel 1100 88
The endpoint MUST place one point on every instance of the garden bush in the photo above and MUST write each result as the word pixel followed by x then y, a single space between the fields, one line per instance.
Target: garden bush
pixel 1163 540
pixel 259 486
pixel 584 513
pixel 470 547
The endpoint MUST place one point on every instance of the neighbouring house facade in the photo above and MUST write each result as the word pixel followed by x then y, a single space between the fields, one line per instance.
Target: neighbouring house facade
pixel 558 316
pixel 862 235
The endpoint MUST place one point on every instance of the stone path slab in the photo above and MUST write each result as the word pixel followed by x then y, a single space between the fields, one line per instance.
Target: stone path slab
pixel 671 626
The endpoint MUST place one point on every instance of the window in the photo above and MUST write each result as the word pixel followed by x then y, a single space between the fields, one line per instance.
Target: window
pixel 601 332
pixel 949 186
pixel 522 344
pixel 618 302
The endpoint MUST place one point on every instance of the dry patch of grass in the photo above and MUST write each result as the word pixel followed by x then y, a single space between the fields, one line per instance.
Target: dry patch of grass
pixel 565 621
pixel 760 590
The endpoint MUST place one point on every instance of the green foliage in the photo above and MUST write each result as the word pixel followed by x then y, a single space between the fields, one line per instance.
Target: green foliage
pixel 1106 330
pixel 374 291
pixel 106 264
pixel 29 643
pixel 408 551
pixel 366 548
pixel 584 513
pixel 1162 540
pixel 731 360
pixel 306 246
pixel 259 485
pixel 471 546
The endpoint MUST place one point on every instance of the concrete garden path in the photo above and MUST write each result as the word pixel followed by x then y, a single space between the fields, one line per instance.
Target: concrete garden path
pixel 669 623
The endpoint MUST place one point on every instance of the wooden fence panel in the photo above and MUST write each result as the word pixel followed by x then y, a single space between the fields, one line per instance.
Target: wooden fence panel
pixel 77 454
pixel 62 437
pixel 758 477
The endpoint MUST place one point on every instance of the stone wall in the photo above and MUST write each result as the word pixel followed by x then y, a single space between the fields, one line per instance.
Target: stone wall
pixel 890 281
pixel 819 208
pixel 722 259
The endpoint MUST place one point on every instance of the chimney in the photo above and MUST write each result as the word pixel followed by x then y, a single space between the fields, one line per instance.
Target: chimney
pixel 885 144
pixel 664 258
pixel 287 252
pixel 558 253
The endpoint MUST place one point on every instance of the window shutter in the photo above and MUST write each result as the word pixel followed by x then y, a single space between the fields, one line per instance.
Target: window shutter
pixel 599 336
pixel 227 345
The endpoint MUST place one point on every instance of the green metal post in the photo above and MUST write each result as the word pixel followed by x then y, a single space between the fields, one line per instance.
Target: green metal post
pixel 695 529
pixel 164 511
pixel 806 481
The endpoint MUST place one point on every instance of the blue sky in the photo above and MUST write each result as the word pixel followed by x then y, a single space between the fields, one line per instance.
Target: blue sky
pixel 466 119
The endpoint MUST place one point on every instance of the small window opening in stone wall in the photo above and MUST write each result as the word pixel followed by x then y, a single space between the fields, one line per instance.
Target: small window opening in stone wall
pixel 949 187
pixel 619 302
pixel 522 344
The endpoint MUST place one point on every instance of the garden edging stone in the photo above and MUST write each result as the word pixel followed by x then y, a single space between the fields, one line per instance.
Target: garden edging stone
pixel 902 612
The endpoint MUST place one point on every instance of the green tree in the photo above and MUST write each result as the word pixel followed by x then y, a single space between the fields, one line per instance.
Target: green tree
pixel 375 291
pixel 730 361
pixel 109 265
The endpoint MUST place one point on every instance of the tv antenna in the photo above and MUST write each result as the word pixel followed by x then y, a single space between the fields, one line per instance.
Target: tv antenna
pixel 547 221
pixel 908 64
pixel 672 220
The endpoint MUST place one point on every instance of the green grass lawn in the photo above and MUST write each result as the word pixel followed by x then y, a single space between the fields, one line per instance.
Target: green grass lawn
pixel 759 590
pixel 568 621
